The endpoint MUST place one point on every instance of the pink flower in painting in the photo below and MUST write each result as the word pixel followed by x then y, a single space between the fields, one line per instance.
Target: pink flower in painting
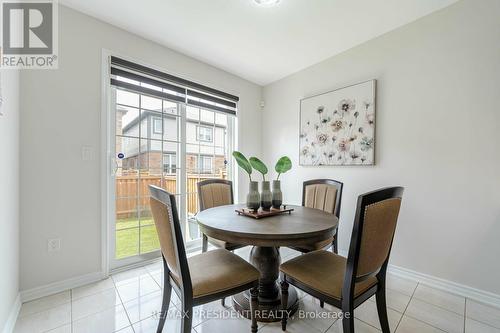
pixel 344 145
pixel 322 138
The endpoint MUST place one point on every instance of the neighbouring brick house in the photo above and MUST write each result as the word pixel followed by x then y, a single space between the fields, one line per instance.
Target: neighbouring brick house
pixel 156 150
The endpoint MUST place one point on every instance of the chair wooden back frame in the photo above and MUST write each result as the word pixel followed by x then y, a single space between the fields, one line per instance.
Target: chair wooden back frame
pixel 338 185
pixel 205 182
pixel 184 286
pixel 351 277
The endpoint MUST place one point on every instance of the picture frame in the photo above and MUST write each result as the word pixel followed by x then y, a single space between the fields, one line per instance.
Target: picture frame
pixel 337 128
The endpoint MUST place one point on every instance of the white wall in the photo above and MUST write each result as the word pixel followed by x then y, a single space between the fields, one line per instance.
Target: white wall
pixel 9 194
pixel 61 113
pixel 438 134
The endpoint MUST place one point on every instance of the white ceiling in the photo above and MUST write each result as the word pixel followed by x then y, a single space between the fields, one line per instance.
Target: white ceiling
pixel 258 44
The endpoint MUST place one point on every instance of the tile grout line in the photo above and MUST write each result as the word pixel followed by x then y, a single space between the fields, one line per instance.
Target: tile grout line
pixel 123 305
pixel 105 309
pixel 70 314
pixel 465 312
pixel 314 328
pixel 481 322
pixel 95 292
pixel 388 307
pixel 151 276
pixel 439 306
pixel 477 320
pixel 464 315
pixel 406 308
pixel 161 290
pixel 49 308
pixel 331 325
pixel 421 321
pixel 485 324
pixel 135 298
pixel 364 322
pixel 426 323
pixel 71 310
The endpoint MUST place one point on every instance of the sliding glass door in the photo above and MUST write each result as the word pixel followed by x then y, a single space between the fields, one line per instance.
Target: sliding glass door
pixel 162 142
pixel 207 143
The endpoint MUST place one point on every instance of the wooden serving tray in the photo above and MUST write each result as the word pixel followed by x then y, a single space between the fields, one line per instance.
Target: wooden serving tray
pixel 263 213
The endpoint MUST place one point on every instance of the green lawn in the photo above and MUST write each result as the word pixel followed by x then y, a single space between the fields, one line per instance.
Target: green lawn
pixel 127 237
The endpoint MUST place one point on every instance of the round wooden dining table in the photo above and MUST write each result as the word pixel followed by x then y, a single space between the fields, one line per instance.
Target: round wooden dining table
pixel 300 227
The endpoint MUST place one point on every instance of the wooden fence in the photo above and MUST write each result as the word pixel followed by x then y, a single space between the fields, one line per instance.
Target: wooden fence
pixel 132 194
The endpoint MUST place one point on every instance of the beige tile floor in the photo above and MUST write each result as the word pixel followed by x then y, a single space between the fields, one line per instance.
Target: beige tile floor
pixel 126 302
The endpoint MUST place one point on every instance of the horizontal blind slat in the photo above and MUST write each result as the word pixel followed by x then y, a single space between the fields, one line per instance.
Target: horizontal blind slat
pixel 144 79
pixel 146 91
pixel 206 97
pixel 210 107
pixel 171 78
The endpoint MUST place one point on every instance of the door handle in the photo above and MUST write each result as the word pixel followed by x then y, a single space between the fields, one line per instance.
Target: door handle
pixel 114 166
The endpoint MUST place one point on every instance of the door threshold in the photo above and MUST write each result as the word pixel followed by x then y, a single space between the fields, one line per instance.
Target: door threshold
pixel 189 250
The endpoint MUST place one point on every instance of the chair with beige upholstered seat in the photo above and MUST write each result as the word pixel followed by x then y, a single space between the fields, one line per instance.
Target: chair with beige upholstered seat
pixel 202 278
pixel 347 283
pixel 214 193
pixel 326 195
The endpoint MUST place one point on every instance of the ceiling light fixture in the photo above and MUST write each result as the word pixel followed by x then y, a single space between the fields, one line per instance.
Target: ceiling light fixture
pixel 266 3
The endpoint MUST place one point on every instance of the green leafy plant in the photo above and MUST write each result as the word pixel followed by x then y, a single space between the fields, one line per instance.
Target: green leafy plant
pixel 283 165
pixel 243 163
pixel 259 166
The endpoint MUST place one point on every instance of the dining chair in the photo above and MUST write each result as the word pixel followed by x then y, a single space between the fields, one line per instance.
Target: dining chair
pixel 200 279
pixel 326 195
pixel 348 282
pixel 214 193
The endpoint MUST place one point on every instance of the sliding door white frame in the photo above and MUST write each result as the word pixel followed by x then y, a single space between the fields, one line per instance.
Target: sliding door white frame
pixel 108 165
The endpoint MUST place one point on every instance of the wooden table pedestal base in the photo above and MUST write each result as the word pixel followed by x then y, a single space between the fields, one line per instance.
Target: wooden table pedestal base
pixel 267 261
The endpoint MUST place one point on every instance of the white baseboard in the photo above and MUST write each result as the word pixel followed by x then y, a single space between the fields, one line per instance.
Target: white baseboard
pixel 14 312
pixel 57 287
pixel 446 285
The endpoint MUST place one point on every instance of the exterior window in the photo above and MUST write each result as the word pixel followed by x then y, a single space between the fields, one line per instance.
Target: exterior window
pixel 205 164
pixel 169 163
pixel 157 126
pixel 205 134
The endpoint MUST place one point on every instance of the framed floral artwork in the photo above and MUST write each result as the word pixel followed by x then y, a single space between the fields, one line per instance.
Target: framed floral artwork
pixel 338 127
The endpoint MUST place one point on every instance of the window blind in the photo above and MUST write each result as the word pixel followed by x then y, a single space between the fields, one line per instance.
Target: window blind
pixel 148 81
